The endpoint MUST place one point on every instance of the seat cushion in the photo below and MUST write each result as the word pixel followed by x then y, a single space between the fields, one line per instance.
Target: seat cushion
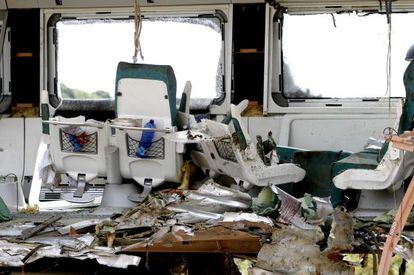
pixel 360 160
pixel 317 164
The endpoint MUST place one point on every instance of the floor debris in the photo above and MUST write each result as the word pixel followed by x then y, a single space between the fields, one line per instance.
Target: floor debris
pixel 288 235
pixel 295 251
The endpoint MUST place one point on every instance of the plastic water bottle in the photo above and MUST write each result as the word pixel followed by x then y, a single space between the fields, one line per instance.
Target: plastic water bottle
pixel 74 142
pixel 146 139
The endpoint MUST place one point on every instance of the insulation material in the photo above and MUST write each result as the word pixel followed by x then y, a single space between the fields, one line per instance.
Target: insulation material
pixel 293 250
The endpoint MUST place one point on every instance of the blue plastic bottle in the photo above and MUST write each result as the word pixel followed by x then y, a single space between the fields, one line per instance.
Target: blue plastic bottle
pixel 76 146
pixel 146 139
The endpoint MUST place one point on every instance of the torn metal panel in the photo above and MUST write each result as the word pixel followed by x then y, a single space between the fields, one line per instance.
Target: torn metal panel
pixel 64 241
pixel 209 203
pixel 14 229
pixel 251 217
pixel 79 225
pixel 15 254
pixel 45 241
pixel 192 212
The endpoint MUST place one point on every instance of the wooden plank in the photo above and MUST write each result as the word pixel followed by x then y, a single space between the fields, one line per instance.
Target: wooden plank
pixel 397 226
pixel 404 141
pixel 403 146
pixel 223 246
pixel 212 240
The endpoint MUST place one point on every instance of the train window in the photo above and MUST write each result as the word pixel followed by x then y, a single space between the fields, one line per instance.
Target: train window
pixel 344 55
pixel 88 52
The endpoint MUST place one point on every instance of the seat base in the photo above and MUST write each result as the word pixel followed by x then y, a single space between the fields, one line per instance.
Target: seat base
pixel 375 202
pixel 116 195
pixel 79 196
pixel 70 197
pixel 140 197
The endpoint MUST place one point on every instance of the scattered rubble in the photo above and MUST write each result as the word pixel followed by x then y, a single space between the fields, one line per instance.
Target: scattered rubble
pixel 296 251
pixel 290 235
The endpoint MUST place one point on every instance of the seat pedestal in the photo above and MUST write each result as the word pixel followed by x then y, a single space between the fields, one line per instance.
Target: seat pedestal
pixel 116 195
pixel 375 202
pixel 79 196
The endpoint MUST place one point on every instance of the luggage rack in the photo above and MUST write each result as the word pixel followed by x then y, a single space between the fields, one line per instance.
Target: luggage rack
pixel 68 143
pixel 224 148
pixel 155 151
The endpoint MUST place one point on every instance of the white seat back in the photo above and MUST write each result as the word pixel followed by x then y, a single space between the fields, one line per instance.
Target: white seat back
pixel 143 98
pixel 143 94
pixel 73 158
pixel 221 153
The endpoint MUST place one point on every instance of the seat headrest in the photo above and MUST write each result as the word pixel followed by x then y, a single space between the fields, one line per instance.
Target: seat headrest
pixel 410 54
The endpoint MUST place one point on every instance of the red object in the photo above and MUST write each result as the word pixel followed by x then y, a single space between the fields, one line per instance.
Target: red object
pixel 82 138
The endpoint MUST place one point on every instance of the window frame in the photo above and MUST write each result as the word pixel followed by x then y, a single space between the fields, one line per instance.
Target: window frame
pixel 50 17
pixel 275 101
pixel 5 76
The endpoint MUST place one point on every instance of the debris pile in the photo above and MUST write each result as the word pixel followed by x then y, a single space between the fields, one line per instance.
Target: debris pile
pixel 291 235
pixel 23 242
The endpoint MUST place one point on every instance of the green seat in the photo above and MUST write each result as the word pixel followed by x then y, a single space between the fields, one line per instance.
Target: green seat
pixel 362 160
pixel 370 159
pixel 318 166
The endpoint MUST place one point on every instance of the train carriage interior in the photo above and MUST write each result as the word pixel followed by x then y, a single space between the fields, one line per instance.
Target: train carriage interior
pixel 153 135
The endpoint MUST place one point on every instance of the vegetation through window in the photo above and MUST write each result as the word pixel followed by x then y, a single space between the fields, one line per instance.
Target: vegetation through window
pixel 89 51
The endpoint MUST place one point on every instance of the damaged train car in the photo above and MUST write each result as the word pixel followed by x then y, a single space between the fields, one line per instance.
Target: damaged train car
pixel 207 137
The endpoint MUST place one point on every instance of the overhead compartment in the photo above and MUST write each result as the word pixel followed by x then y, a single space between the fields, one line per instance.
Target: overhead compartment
pixel 16 4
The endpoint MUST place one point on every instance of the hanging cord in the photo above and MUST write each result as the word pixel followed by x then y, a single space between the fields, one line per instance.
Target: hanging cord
pixel 137 35
pixel 388 10
pixel 333 20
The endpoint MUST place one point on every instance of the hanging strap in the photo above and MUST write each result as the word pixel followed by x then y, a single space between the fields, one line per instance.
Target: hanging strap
pixel 138 28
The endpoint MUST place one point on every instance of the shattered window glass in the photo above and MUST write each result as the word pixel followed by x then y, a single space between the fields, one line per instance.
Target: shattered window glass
pixel 344 55
pixel 89 51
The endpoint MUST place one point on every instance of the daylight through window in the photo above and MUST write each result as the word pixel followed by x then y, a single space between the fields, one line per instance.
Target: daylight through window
pixel 344 55
pixel 90 50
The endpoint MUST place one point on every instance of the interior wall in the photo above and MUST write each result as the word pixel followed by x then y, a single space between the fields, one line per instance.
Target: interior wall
pixel 11 145
pixel 321 131
pixel 348 134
